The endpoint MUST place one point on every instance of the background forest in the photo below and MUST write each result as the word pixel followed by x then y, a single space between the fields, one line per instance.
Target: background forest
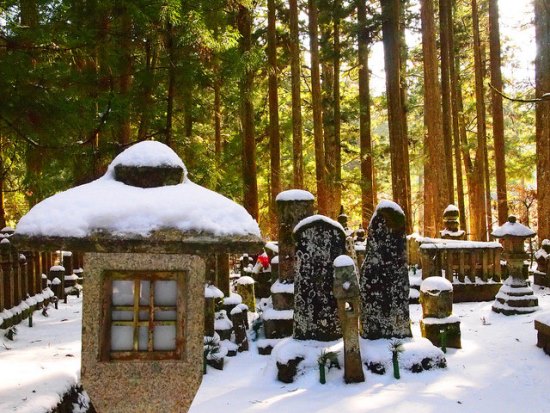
pixel 261 96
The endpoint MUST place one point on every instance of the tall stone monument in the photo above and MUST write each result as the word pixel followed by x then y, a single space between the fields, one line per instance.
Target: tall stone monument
pixel 319 240
pixel 384 280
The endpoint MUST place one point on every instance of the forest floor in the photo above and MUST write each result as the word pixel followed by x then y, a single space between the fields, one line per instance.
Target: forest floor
pixel 499 368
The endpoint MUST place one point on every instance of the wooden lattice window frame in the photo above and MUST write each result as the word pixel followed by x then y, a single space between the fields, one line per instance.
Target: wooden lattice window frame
pixel 106 353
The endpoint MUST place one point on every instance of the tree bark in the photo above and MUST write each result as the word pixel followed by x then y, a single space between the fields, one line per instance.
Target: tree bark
pixel 457 117
pixel 316 102
pixel 497 111
pixel 274 135
pixel 435 178
pixel 397 130
pixel 542 80
pixel 125 67
pixel 444 35
pixel 478 196
pixel 295 77
pixel 365 138
pixel 250 183
pixel 171 91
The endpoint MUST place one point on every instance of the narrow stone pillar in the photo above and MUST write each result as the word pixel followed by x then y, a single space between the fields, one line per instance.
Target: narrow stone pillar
pixel 438 323
pixel 245 288
pixel 292 206
pixel 7 270
pixel 211 295
pixel 222 273
pixel 57 278
pixel 239 326
pixel 68 262
pixel 346 292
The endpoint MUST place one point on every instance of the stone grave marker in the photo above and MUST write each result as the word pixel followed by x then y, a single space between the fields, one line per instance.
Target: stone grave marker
pixel 384 280
pixel 319 240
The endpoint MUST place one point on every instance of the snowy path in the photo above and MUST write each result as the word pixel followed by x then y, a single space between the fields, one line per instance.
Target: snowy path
pixel 499 369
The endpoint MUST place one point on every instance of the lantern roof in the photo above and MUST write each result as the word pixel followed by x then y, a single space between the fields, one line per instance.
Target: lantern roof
pixel 512 228
pixel 144 202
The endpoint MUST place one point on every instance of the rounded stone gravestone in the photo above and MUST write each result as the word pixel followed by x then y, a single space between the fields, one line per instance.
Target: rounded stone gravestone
pixel 384 279
pixel 319 240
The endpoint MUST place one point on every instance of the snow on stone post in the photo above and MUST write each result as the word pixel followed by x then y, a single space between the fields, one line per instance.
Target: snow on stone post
pixel 515 296
pixel 542 256
pixel 384 279
pixel 436 297
pixel 319 240
pixel 57 277
pixel 346 292
pixel 239 326
pixel 144 228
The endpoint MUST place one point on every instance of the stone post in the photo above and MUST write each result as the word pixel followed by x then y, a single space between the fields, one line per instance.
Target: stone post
pixel 346 292
pixel 239 326
pixel 67 262
pixel 245 288
pixel 222 273
pixel 292 206
pixel 438 324
pixel 360 246
pixel 57 278
pixel 7 270
pixel 211 294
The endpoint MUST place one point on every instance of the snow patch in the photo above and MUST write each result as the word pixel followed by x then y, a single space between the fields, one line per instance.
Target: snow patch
pixel 295 195
pixel 313 218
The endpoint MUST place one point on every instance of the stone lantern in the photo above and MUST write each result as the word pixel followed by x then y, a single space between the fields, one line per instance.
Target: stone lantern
pixel 451 217
pixel 144 228
pixel 515 296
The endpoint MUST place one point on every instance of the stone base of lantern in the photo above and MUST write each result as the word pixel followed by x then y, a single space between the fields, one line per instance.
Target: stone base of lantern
pixel 515 297
pixel 543 335
pixel 431 328
pixel 278 328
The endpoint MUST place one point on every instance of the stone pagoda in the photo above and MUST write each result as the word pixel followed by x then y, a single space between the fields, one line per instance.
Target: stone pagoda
pixel 515 296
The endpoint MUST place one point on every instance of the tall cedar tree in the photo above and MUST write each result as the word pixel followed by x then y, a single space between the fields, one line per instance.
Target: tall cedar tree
pixel 398 139
pixel 497 112
pixel 316 103
pixel 295 78
pixel 250 182
pixel 274 135
pixel 436 189
pixel 444 37
pixel 457 116
pixel 365 138
pixel 478 201
pixel 542 79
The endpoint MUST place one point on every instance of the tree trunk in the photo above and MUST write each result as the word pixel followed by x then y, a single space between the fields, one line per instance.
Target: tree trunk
pixel 250 183
pixel 542 78
pixel 498 116
pixel 274 136
pixel 444 35
pixel 295 75
pixel 365 139
pixel 392 62
pixel 457 118
pixel 122 14
pixel 217 115
pixel 171 92
pixel 436 195
pixel 316 102
pixel 478 196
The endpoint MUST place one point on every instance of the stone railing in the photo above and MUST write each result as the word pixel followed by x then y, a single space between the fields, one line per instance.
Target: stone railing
pixel 461 261
pixel 31 279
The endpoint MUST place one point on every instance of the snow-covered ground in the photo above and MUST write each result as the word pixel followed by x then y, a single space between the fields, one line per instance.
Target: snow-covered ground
pixel 499 369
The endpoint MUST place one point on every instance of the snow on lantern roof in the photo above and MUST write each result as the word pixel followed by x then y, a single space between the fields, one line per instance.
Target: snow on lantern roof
pixel 101 214
pixel 295 195
pixel 451 208
pixel 512 228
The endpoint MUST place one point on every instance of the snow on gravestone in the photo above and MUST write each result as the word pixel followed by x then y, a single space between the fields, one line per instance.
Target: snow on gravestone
pixel 319 240
pixel 384 278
